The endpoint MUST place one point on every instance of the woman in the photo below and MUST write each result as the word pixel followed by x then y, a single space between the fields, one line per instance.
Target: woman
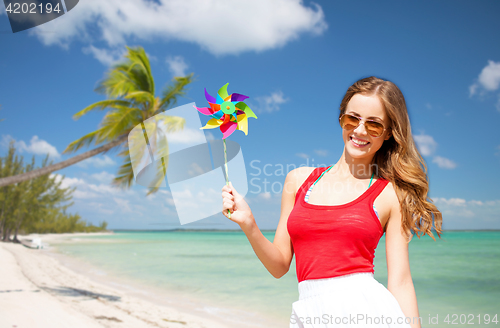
pixel 332 218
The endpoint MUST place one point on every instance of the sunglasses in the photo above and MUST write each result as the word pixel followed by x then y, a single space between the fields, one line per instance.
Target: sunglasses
pixel 350 122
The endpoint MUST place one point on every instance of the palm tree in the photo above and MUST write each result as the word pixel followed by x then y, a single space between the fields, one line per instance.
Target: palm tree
pixel 130 89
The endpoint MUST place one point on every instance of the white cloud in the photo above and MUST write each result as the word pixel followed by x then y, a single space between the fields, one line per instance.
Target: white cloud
pixel 69 182
pixel 427 147
pixel 265 195
pixel 97 161
pixel 177 65
pixel 36 146
pixel 209 135
pixel 79 194
pixel 195 170
pixel 321 152
pixel 426 144
pixel 186 136
pixel 232 28
pixel 472 89
pixel 96 202
pixel 105 56
pixel 487 81
pixel 302 155
pixel 459 213
pixel 101 208
pixel 272 102
pixel 489 78
pixel 90 190
pixel 444 163
pixel 123 204
pixel 103 177
pixel 451 201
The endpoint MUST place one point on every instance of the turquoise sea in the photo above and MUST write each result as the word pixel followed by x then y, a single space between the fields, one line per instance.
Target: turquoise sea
pixel 456 277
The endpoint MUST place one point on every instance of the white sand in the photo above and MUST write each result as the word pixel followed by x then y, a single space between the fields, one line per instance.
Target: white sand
pixel 36 290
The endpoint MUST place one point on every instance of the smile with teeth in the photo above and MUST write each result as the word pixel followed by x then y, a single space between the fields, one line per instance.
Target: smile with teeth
pixel 359 142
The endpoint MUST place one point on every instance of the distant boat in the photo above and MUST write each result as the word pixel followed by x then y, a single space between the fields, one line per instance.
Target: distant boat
pixel 35 243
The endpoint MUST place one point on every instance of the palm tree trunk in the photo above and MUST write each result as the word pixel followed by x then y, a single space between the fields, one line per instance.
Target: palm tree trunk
pixel 58 166
pixel 6 235
pixel 18 225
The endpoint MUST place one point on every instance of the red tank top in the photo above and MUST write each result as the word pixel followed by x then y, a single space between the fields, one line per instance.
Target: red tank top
pixel 334 240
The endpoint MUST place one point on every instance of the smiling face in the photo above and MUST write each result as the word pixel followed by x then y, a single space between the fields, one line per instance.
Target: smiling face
pixel 359 144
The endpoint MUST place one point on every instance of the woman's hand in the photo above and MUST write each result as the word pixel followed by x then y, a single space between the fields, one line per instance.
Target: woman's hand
pixel 233 201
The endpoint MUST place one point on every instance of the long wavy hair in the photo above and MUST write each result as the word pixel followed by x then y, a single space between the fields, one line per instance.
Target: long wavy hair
pixel 399 161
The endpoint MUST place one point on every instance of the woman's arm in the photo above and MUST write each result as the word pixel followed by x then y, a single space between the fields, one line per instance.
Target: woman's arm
pixel 400 283
pixel 275 256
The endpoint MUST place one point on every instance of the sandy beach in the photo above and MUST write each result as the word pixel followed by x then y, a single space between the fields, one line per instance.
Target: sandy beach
pixel 37 290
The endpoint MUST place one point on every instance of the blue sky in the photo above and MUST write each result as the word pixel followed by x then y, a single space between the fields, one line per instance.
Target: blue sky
pixel 295 60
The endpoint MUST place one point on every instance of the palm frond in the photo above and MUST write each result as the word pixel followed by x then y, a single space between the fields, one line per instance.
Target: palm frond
pixel 175 123
pixel 172 92
pixel 101 105
pixel 161 170
pixel 118 122
pixel 132 74
pixel 117 82
pixel 140 97
pixel 140 63
pixel 125 175
pixel 86 140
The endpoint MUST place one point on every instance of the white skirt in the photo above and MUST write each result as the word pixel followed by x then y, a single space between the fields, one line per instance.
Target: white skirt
pixel 353 300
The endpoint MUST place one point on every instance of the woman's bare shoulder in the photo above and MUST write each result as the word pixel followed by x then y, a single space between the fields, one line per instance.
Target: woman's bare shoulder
pixel 389 194
pixel 297 176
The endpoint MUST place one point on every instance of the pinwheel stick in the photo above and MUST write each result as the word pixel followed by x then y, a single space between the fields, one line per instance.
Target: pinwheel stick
pixel 227 173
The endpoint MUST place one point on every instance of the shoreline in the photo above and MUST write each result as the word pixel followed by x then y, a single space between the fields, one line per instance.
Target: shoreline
pixel 69 289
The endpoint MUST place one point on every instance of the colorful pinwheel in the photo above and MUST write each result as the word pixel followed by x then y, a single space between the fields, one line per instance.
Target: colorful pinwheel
pixel 229 112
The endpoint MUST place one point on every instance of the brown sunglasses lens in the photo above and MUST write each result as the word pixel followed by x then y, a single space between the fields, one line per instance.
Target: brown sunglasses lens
pixel 349 122
pixel 375 129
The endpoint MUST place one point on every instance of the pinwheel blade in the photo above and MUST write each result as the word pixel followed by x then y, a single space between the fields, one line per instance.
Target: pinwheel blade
pixel 209 98
pixel 217 115
pixel 228 128
pixel 244 107
pixel 219 99
pixel 223 91
pixel 212 124
pixel 205 110
pixel 215 107
pixel 243 123
pixel 237 97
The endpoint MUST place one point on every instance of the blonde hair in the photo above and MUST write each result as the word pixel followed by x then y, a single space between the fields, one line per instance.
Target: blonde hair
pixel 398 160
